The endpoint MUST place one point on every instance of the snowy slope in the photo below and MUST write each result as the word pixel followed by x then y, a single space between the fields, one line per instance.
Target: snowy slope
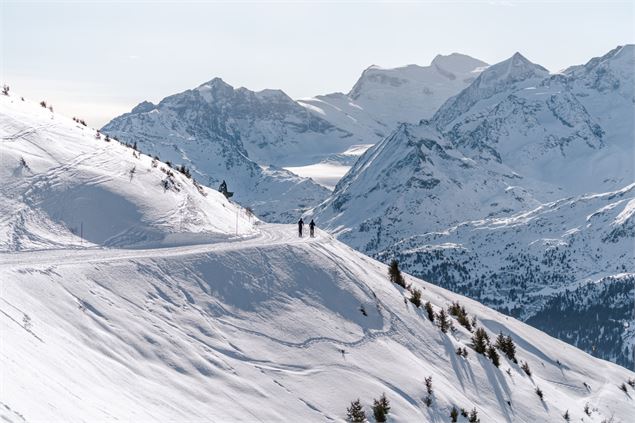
pixel 261 327
pixel 515 139
pixel 384 97
pixel 565 267
pixel 216 130
pixel 415 181
pixel 60 181
pixel 573 130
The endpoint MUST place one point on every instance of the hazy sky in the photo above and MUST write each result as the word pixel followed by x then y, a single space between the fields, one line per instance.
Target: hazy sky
pixel 98 59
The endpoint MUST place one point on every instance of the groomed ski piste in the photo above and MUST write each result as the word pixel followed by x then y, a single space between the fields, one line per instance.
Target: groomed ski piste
pixel 177 305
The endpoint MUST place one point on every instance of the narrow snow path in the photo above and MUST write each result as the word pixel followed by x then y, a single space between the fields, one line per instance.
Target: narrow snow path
pixel 268 235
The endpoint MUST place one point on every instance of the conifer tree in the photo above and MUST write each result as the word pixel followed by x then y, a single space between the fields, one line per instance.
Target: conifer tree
pixel 381 407
pixel 480 341
pixel 539 393
pixel 444 321
pixel 454 415
pixel 526 369
pixel 429 385
pixel 395 274
pixel 415 297
pixel 493 355
pixel 430 311
pixel 473 418
pixel 355 413
pixel 506 345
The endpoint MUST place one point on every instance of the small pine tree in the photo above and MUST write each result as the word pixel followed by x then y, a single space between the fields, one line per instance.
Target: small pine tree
pixel 429 385
pixel 430 311
pixel 427 400
pixel 506 345
pixel 395 275
pixel 444 321
pixel 587 409
pixel 526 369
pixel 464 321
pixel 464 412
pixel 631 382
pixel 5 89
pixel 539 393
pixel 623 387
pixel 473 417
pixel 355 413
pixel 43 103
pixel 493 355
pixel 454 415
pixel 566 416
pixel 24 164
pixel 458 311
pixel 415 297
pixel 381 407
pixel 480 341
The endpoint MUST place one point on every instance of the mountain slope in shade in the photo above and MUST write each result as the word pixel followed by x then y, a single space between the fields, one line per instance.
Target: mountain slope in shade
pixel 384 97
pixel 212 128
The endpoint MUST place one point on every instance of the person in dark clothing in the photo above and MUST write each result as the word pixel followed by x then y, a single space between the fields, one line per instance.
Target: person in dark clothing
pixel 312 228
pixel 300 225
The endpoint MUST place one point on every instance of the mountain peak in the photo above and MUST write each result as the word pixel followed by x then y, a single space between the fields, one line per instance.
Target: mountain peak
pixel 215 83
pixel 457 62
pixel 144 106
pixel 516 68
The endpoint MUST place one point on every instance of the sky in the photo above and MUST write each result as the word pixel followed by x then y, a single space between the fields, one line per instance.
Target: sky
pixel 98 59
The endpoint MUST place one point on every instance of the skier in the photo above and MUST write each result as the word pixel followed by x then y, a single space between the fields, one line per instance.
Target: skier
pixel 300 225
pixel 312 228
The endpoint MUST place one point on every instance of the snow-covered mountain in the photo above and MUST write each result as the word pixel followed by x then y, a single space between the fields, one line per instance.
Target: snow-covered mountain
pixel 246 137
pixel 566 267
pixel 217 131
pixel 232 327
pixel 384 97
pixel 573 130
pixel 515 139
pixel 412 182
pixel 64 187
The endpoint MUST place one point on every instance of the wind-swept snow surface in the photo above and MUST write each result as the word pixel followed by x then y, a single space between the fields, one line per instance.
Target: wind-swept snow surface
pixel 62 186
pixel 261 327
pixel 266 329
